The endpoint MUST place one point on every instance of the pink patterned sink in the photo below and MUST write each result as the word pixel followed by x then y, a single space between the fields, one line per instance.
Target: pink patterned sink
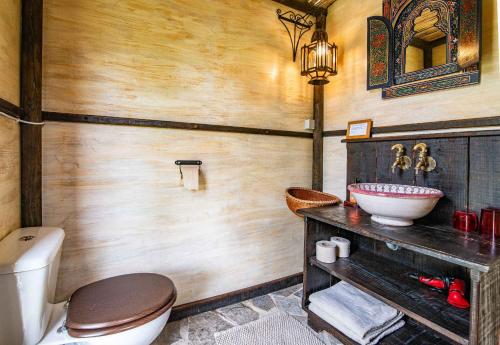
pixel 395 204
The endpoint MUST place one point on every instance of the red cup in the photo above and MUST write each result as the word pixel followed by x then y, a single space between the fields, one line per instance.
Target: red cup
pixel 490 222
pixel 465 221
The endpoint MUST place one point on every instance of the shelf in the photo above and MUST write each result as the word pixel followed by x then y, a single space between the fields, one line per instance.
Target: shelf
pixel 465 134
pixel 445 243
pixel 411 333
pixel 389 282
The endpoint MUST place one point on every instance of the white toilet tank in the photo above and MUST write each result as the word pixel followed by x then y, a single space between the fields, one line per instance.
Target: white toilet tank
pixel 29 261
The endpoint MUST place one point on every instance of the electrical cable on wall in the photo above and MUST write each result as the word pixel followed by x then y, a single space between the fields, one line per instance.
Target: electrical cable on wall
pixel 22 121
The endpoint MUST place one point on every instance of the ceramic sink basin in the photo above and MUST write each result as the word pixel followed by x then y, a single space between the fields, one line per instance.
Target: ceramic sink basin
pixel 395 204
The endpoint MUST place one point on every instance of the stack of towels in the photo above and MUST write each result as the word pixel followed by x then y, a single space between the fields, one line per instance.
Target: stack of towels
pixel 358 315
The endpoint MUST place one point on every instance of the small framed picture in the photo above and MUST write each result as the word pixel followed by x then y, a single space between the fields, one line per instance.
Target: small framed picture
pixel 359 129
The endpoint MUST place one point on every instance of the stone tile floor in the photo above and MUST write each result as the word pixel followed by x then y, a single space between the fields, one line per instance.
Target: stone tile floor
pixel 200 329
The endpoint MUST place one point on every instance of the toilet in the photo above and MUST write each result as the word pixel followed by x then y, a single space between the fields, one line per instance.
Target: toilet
pixel 129 309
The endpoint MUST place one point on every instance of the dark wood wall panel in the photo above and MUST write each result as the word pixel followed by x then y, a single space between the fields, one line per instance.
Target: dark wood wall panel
pixel 484 185
pixel 450 176
pixel 361 162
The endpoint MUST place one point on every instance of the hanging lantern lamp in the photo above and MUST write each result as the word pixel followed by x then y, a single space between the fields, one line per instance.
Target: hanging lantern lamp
pixel 319 58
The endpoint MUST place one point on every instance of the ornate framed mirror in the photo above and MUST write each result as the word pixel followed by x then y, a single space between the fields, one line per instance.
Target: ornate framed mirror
pixel 424 45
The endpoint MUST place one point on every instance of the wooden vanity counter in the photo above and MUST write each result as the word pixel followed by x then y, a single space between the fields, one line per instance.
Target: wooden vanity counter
pixel 383 273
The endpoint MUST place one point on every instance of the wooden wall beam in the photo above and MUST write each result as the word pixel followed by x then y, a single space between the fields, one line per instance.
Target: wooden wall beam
pixel 427 126
pixel 125 121
pixel 31 103
pixel 448 135
pixel 9 108
pixel 318 114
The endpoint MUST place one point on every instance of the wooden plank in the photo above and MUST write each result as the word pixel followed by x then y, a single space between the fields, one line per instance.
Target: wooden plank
pixel 489 308
pixel 450 176
pixel 321 3
pixel 475 286
pixel 428 136
pixel 318 111
pixel 335 133
pixel 9 108
pixel 411 333
pixel 388 281
pixel 427 126
pixel 193 308
pixel 445 243
pixel 484 186
pixel 302 6
pixel 315 279
pixel 318 115
pixel 361 163
pixel 136 122
pixel 31 103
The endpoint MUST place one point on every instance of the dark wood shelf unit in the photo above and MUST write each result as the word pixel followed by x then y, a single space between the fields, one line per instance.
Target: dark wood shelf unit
pixel 442 242
pixel 384 274
pixel 418 334
pixel 389 282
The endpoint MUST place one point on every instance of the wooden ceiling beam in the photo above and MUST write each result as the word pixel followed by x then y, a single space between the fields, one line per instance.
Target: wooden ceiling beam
pixel 303 7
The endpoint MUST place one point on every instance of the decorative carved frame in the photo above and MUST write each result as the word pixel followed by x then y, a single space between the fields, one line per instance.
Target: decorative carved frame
pixel 463 33
pixel 380 58
pixel 403 33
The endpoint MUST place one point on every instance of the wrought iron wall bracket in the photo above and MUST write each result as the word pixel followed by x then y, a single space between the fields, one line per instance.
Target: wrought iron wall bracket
pixel 300 25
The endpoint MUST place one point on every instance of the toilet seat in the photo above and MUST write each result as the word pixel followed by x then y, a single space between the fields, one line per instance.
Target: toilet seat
pixel 119 303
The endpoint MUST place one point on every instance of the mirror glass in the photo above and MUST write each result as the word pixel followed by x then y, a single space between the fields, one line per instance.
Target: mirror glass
pixel 427 47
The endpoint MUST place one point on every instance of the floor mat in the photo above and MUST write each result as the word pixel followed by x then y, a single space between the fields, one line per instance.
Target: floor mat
pixel 277 329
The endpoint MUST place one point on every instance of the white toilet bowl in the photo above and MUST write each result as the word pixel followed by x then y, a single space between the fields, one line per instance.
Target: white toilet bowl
pixel 56 333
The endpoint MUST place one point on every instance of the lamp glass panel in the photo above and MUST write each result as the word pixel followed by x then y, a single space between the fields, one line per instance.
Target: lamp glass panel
pixel 312 58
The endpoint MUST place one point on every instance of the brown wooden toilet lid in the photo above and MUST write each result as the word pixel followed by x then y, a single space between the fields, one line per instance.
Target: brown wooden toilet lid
pixel 118 300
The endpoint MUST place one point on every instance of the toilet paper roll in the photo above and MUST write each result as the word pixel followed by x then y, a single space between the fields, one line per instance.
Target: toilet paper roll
pixel 191 176
pixel 343 246
pixel 325 251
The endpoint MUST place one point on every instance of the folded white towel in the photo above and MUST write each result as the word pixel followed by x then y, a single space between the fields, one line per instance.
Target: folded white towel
pixel 364 316
pixel 363 341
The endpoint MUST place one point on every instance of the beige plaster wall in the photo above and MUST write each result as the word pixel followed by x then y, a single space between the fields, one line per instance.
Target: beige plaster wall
pixel 116 190
pixel 10 19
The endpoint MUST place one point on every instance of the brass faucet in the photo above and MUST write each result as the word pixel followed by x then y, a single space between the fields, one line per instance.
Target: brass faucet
pixel 402 161
pixel 425 162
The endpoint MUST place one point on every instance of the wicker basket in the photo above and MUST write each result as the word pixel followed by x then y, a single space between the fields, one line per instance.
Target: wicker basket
pixel 298 198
